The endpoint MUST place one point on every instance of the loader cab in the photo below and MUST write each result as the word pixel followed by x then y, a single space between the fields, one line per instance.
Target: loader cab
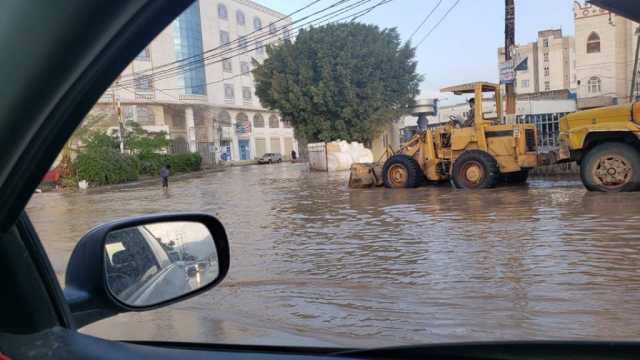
pixel 477 90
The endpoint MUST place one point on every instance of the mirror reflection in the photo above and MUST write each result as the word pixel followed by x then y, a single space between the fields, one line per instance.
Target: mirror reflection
pixel 152 263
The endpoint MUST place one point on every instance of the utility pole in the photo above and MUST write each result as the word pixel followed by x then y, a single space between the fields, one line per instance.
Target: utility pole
pixel 634 76
pixel 118 111
pixel 509 45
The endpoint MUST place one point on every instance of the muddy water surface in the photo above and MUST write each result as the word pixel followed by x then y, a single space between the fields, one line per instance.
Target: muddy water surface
pixel 316 263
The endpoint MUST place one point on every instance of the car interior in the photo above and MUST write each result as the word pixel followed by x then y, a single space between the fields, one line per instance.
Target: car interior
pixel 59 57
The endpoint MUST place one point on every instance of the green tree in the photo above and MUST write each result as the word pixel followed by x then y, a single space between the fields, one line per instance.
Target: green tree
pixel 340 81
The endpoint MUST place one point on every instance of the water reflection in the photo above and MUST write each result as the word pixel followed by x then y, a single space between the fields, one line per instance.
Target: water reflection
pixel 312 259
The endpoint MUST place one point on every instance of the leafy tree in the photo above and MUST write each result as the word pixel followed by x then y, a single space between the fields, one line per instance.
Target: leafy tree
pixel 141 141
pixel 339 81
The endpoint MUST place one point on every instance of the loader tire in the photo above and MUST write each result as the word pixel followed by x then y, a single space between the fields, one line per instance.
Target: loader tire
pixel 611 167
pixel 518 177
pixel 475 169
pixel 402 171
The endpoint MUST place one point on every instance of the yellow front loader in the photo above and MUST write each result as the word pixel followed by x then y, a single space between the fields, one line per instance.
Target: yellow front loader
pixel 474 154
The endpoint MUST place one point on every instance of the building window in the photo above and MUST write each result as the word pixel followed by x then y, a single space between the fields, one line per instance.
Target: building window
pixel 143 82
pixel 145 55
pixel 524 83
pixel 242 40
pixel 257 23
pixel 546 57
pixel 594 85
pixel 144 116
pixel 224 38
pixel 286 124
pixel 222 11
pixel 240 17
pixel 285 34
pixel 224 118
pixel 273 122
pixel 547 86
pixel 228 91
pixel 545 43
pixel 259 48
pixel 273 28
pixel 246 93
pixel 244 68
pixel 593 43
pixel 188 45
pixel 258 121
pixel 227 65
pixel 546 71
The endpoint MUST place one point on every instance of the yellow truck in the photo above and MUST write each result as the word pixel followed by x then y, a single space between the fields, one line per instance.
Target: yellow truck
pixel 604 143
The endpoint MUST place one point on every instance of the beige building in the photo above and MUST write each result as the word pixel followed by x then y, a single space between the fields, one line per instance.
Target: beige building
pixel 605 51
pixel 211 109
pixel 548 64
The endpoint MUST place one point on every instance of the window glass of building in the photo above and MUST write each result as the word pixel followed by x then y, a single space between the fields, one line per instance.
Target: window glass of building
pixel 545 43
pixel 227 66
pixel 259 48
pixel 258 121
pixel 246 93
pixel 546 71
pixel 224 38
pixel 546 57
pixel 547 86
pixel 240 17
pixel 224 118
pixel 242 40
pixel 144 55
pixel 257 23
pixel 245 68
pixel 273 122
pixel 273 28
pixel 142 82
pixel 228 91
pixel 285 34
pixel 593 43
pixel 222 11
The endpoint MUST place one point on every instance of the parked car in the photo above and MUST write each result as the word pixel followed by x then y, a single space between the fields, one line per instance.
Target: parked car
pixel 270 158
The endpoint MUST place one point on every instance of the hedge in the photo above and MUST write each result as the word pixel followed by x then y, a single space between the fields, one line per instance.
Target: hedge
pixel 108 166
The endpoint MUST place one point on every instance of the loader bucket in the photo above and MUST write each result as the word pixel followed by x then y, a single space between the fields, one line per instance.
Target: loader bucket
pixel 365 175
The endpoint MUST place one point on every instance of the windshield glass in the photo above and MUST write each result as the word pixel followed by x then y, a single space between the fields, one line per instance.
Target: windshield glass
pixel 362 205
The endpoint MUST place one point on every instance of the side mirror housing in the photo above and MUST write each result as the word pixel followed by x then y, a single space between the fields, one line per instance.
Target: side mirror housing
pixel 143 263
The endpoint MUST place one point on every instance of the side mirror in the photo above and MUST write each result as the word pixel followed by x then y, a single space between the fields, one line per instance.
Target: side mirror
pixel 143 263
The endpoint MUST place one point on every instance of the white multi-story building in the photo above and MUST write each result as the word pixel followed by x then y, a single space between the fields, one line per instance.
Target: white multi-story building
pixel 605 51
pixel 211 109
pixel 548 64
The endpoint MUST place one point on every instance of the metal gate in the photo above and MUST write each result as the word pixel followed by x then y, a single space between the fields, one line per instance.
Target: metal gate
pixel 208 153
pixel 318 156
pixel 548 126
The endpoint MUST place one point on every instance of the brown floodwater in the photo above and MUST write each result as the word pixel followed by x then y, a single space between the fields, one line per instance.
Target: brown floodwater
pixel 316 263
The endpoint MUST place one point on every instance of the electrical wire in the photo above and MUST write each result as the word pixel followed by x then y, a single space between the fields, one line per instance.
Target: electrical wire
pixel 438 23
pixel 206 61
pixel 264 37
pixel 424 21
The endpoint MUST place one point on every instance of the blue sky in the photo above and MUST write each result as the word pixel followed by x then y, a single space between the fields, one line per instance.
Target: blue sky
pixel 464 47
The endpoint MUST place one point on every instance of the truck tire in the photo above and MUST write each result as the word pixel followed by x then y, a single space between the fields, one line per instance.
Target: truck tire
pixel 475 169
pixel 402 171
pixel 517 177
pixel 611 167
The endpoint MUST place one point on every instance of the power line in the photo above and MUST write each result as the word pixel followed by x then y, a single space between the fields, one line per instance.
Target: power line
pixel 438 23
pixel 382 2
pixel 169 73
pixel 198 59
pixel 424 21
pixel 251 33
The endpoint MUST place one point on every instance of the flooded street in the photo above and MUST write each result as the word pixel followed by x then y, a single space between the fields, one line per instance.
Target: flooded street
pixel 316 263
